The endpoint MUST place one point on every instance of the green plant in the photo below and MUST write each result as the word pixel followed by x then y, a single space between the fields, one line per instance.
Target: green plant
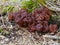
pixel 1 30
pixel 7 8
pixel 30 5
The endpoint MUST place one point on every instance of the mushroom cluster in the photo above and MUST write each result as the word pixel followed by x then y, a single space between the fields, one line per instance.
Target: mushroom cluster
pixel 38 20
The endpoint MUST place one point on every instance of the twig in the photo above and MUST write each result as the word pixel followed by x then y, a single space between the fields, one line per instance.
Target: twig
pixel 52 37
